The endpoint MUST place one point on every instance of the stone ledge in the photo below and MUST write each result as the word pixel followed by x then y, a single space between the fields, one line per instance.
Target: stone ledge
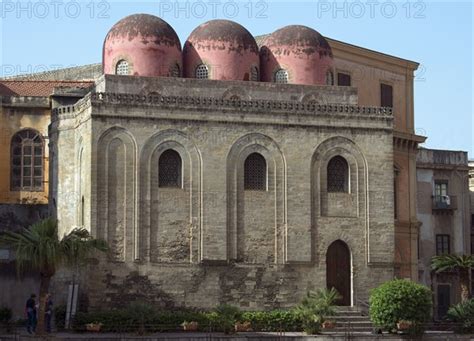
pixel 219 104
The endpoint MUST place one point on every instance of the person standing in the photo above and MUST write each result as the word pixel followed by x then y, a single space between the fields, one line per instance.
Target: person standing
pixel 48 312
pixel 31 314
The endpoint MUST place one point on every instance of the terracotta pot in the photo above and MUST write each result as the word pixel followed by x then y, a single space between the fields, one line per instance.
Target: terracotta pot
pixel 243 327
pixel 93 327
pixel 190 326
pixel 404 325
pixel 329 324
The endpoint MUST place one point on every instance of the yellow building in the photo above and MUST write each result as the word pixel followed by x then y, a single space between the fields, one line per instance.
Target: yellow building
pixel 25 113
pixel 387 81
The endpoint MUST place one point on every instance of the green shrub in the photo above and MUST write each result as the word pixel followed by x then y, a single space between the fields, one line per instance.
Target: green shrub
pixel 463 313
pixel 6 318
pixel 273 321
pixel 138 318
pixel 315 307
pixel 5 315
pixel 226 317
pixel 60 316
pixel 397 300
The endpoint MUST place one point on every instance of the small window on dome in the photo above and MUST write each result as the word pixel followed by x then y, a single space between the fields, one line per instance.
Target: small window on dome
pixel 281 76
pixel 175 71
pixel 202 72
pixel 329 78
pixel 254 74
pixel 122 68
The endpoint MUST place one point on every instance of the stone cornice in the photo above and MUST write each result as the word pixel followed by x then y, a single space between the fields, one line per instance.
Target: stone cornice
pixel 209 103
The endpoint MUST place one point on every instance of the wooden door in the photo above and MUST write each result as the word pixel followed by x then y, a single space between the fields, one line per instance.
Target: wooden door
pixel 338 271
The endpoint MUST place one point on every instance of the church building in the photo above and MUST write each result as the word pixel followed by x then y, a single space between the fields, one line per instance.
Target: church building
pixel 238 170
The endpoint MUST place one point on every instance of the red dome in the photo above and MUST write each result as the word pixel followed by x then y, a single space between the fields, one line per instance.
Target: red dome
pixel 226 48
pixel 302 52
pixel 142 45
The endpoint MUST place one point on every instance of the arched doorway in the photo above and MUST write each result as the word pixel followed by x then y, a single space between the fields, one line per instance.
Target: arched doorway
pixel 338 270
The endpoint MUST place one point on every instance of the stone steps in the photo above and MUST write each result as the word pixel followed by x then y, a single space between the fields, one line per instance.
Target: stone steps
pixel 350 319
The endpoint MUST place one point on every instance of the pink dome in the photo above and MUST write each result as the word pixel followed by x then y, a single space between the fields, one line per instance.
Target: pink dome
pixel 142 45
pixel 302 52
pixel 225 48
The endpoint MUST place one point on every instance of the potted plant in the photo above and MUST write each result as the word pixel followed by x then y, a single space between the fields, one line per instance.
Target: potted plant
pixel 404 325
pixel 316 307
pixel 94 327
pixel 190 326
pixel 243 326
pixel 329 324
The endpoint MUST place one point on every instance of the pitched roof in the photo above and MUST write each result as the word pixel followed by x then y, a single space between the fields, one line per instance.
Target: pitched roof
pixel 76 73
pixel 37 88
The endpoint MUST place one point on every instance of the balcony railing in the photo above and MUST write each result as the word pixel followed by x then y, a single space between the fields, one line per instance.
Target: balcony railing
pixel 445 202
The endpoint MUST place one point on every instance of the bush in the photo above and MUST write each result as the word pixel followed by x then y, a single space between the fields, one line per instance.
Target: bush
pixel 141 318
pixel 316 307
pixel 6 318
pixel 463 313
pixel 273 321
pixel 398 300
pixel 226 316
pixel 60 316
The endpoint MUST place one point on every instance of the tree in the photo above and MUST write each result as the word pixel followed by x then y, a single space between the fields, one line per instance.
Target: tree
pixel 461 264
pixel 40 249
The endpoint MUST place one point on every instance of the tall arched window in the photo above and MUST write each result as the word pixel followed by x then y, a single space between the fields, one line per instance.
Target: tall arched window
pixel 255 172
pixel 202 72
pixel 169 169
pixel 27 149
pixel 281 76
pixel 122 68
pixel 338 175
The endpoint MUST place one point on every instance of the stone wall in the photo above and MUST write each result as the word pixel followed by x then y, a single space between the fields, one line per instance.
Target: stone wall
pixel 210 241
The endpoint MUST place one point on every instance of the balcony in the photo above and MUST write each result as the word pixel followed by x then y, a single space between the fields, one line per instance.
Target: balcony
pixel 445 202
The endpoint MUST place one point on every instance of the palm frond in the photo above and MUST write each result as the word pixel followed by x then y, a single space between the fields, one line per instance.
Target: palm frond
pixel 39 247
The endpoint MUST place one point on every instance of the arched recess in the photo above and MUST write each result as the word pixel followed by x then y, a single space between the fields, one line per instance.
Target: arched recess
pixel 80 184
pixel 256 219
pixel 339 271
pixel 349 205
pixel 345 204
pixel 116 195
pixel 170 218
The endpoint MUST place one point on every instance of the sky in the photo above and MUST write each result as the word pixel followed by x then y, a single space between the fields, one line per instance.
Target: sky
pixel 49 34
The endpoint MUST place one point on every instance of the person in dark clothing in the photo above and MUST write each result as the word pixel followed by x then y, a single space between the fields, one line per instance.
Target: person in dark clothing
pixel 31 314
pixel 48 313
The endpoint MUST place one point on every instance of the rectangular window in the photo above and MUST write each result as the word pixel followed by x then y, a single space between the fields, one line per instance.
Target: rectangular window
pixel 386 95
pixel 441 193
pixel 442 244
pixel 343 79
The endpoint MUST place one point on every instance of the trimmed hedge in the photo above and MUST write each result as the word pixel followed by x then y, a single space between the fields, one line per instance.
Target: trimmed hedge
pixel 126 320
pixel 398 300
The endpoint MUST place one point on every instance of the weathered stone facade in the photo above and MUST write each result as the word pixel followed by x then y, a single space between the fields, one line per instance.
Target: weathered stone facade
pixel 210 241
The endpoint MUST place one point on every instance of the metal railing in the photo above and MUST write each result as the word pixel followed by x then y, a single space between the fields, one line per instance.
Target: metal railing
pixel 445 202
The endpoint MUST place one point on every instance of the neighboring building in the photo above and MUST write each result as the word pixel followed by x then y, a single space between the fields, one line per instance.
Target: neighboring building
pixel 444 211
pixel 25 113
pixel 249 185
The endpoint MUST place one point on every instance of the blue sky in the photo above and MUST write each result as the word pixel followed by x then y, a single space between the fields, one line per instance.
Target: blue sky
pixel 47 34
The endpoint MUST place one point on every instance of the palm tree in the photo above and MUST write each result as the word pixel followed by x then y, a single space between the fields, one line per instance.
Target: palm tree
pixel 462 264
pixel 39 248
